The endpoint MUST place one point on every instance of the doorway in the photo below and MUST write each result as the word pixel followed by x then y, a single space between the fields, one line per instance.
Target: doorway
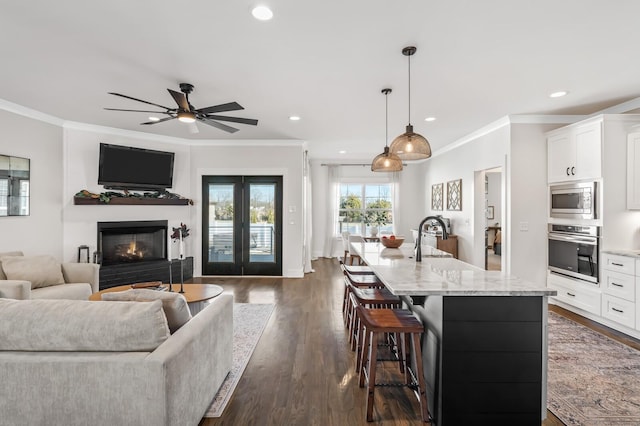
pixel 242 225
pixel 493 226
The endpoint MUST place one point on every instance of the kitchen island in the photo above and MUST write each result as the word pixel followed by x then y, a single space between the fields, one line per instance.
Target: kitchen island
pixel 485 341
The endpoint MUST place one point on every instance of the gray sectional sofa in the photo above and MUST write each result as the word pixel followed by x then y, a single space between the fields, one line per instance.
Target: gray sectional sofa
pixel 69 362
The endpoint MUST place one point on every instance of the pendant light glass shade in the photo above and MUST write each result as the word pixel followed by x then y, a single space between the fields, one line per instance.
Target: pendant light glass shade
pixel 386 162
pixel 410 146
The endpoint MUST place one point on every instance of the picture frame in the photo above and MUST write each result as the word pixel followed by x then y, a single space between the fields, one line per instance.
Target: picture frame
pixel 490 211
pixel 437 196
pixel 454 195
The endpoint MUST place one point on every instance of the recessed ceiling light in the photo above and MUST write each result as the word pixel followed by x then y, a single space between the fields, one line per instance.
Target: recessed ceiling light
pixel 342 152
pixel 294 118
pixel 262 13
pixel 154 119
pixel 558 94
pixel 430 119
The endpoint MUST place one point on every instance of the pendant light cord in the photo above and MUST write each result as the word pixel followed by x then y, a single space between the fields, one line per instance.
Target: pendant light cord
pixel 409 57
pixel 386 118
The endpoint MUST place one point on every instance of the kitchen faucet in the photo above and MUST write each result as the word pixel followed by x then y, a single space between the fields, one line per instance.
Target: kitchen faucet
pixel 419 240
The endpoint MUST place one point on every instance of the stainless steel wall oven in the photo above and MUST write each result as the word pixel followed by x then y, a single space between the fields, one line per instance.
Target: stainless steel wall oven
pixel 573 251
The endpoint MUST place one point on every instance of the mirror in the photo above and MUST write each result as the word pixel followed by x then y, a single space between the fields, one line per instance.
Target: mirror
pixel 14 186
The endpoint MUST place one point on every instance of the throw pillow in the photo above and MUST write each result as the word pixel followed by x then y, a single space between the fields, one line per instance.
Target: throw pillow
pixel 174 305
pixel 42 271
pixel 9 253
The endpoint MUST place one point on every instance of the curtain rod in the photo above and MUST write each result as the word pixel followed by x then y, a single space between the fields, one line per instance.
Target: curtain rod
pixel 351 164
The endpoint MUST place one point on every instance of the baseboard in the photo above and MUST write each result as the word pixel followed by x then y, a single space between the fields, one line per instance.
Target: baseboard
pixel 294 273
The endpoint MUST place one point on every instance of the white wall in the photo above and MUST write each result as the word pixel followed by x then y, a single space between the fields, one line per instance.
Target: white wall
pixel 485 152
pixel 41 231
pixel 494 196
pixel 81 153
pixel 254 159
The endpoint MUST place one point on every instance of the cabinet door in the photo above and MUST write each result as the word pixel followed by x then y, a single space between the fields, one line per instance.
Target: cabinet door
pixel 561 156
pixel 633 171
pixel 588 142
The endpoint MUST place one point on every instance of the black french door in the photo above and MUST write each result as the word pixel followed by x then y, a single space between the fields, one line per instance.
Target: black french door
pixel 242 225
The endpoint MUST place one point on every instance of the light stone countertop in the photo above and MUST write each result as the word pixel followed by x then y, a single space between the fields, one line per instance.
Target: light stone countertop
pixel 628 253
pixel 442 275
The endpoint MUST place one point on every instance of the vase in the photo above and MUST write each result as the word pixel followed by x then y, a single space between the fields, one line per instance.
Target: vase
pixel 374 231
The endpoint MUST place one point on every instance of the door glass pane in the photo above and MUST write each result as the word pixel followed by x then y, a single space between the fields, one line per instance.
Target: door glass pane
pixel 262 211
pixel 221 223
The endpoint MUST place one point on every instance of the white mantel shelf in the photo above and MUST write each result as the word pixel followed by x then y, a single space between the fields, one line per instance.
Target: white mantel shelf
pixel 440 276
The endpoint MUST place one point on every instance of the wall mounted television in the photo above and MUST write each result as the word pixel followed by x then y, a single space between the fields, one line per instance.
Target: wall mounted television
pixel 129 168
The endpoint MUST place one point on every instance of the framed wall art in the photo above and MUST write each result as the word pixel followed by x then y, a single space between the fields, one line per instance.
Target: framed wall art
pixel 454 195
pixel 437 196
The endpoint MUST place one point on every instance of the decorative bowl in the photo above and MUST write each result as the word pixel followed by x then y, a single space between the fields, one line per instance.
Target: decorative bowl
pixel 392 243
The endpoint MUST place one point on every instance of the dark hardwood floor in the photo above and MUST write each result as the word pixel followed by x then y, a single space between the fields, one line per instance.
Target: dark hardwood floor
pixel 302 371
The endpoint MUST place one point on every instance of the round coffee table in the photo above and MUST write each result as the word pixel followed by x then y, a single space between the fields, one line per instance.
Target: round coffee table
pixel 197 295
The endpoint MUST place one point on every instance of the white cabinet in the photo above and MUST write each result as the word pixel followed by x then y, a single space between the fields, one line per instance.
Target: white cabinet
pixel 581 294
pixel 633 171
pixel 574 152
pixel 619 287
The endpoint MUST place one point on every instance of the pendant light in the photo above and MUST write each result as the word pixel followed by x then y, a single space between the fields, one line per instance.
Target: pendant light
pixel 386 162
pixel 410 145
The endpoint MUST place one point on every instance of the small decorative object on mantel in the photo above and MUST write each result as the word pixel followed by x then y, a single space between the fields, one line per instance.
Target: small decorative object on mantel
pixel 130 198
pixel 454 195
pixel 436 196
pixel 179 234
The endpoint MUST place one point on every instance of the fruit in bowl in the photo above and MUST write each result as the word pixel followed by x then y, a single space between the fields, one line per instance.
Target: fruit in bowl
pixel 392 241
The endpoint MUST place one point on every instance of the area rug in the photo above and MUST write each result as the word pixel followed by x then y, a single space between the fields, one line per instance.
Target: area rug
pixel 249 321
pixel 593 380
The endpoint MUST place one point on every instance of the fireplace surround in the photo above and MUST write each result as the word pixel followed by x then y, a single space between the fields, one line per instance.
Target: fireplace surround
pixel 136 251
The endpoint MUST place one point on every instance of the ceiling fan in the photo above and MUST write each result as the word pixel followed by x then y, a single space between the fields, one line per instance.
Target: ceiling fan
pixel 186 112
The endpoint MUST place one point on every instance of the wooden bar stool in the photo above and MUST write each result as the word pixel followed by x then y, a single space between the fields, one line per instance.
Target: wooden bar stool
pixel 380 321
pixel 359 281
pixel 370 298
pixel 358 269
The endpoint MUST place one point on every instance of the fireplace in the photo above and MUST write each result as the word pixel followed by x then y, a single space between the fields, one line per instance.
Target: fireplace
pixel 132 242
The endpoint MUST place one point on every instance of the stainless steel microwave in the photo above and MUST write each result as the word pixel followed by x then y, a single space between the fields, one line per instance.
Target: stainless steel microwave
pixel 573 200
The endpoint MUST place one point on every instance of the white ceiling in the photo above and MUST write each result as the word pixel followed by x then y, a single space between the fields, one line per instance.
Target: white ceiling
pixel 325 61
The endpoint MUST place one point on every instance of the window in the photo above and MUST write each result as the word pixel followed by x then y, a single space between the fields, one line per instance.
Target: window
pixel 362 206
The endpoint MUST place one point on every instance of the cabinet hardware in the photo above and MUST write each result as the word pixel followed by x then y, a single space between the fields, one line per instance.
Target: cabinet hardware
pixel 617 264
pixel 617 310
pixel 570 294
pixel 573 170
pixel 617 285
pixel 567 171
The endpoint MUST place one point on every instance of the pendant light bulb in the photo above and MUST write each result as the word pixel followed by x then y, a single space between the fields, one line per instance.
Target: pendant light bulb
pixel 386 162
pixel 410 146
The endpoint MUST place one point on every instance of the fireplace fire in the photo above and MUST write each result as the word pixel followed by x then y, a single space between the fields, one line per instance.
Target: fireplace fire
pixel 132 241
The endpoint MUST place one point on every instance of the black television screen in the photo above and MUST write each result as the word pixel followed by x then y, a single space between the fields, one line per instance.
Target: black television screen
pixel 124 167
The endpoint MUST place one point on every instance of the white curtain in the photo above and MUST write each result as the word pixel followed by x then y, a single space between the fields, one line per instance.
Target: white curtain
pixel 308 214
pixel 333 174
pixel 395 188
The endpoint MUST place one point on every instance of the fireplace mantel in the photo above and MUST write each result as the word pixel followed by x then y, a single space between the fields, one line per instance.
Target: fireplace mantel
pixel 132 201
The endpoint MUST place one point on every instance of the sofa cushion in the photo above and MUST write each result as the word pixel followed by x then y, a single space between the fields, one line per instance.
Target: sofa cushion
pixel 8 253
pixel 77 325
pixel 75 291
pixel 174 304
pixel 41 271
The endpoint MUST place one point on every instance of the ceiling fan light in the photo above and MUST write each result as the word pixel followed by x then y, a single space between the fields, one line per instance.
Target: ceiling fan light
pixel 186 117
pixel 386 162
pixel 411 146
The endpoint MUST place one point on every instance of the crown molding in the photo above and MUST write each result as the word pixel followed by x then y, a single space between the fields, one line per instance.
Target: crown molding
pixel 30 113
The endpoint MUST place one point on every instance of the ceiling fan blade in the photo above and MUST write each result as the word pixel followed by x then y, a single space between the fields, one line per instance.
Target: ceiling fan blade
pixel 159 121
pixel 193 128
pixel 139 100
pixel 231 106
pixel 219 125
pixel 180 99
pixel 250 121
pixel 136 110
